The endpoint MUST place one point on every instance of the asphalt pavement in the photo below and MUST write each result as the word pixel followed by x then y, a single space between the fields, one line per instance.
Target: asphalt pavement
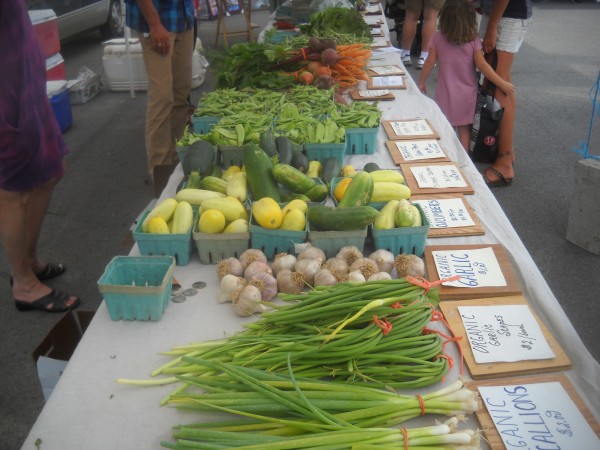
pixel 106 188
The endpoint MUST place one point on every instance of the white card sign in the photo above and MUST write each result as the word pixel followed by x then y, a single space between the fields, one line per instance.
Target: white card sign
pixel 476 267
pixel 411 128
pixel 438 176
pixel 421 149
pixel 387 81
pixel 538 416
pixel 446 213
pixel 374 93
pixel 385 70
pixel 504 333
pixel 376 31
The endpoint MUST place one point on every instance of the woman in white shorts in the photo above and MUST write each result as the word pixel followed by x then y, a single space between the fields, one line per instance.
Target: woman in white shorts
pixel 504 25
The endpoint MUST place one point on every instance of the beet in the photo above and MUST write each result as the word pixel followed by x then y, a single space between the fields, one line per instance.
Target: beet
pixel 329 57
pixel 315 44
pixel 323 82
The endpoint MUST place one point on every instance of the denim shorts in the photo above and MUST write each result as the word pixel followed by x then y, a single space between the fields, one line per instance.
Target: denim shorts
pixel 511 32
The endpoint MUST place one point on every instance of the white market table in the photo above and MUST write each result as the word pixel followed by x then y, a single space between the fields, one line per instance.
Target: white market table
pixel 89 410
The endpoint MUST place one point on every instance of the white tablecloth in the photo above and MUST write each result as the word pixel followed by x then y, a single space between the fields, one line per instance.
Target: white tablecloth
pixel 89 410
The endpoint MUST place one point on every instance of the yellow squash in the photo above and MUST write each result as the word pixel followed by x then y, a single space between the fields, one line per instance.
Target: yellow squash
pixel 267 213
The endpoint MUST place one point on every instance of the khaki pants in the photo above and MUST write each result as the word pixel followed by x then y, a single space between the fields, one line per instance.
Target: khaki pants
pixel 169 85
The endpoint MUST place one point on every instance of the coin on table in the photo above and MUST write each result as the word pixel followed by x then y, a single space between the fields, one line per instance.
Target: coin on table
pixel 180 298
pixel 199 285
pixel 190 292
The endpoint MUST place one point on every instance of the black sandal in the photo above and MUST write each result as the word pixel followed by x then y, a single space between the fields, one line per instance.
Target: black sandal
pixel 53 302
pixel 502 181
pixel 52 270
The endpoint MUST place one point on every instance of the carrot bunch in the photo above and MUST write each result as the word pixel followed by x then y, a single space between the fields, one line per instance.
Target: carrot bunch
pixel 350 68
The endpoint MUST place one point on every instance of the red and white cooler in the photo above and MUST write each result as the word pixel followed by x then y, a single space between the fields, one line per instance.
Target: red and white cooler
pixel 45 26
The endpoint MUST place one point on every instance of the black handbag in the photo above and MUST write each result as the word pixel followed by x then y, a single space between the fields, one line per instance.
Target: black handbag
pixel 486 123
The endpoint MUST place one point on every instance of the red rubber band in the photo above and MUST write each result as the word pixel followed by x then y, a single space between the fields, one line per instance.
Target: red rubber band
pixel 421 404
pixel 438 316
pixel 423 283
pixel 384 324
pixel 404 432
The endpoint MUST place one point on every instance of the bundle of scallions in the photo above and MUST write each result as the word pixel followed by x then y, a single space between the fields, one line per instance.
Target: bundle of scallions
pixel 353 332
pixel 282 412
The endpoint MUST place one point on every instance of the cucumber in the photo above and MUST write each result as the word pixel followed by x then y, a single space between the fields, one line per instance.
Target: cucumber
pixel 317 193
pixel 328 218
pixel 294 196
pixel 284 149
pixel 292 178
pixel 211 183
pixel 358 192
pixel 193 180
pixel 371 167
pixel 267 143
pixel 259 173
pixel 384 191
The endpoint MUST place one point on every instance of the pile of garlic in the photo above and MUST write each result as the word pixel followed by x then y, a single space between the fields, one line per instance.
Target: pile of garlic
pixel 250 283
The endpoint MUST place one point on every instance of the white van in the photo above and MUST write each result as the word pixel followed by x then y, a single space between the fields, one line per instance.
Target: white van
pixel 77 16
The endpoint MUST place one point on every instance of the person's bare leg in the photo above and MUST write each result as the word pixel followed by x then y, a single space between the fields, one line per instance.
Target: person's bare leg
pixel 506 154
pixel 409 28
pixel 429 26
pixel 464 135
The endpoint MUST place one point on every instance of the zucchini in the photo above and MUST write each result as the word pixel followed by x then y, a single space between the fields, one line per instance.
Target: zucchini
pixel 329 170
pixel 299 160
pixel 359 191
pixel 328 218
pixel 284 149
pixel 259 173
pixel 193 180
pixel 201 156
pixel 371 167
pixel 267 143
pixel 211 183
pixel 292 178
pixel 317 193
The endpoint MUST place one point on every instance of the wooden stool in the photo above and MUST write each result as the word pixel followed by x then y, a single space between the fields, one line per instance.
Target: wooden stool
pixel 246 10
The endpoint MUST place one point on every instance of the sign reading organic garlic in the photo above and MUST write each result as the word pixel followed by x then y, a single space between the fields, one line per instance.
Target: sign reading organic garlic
pixel 476 267
pixel 538 416
pixel 504 333
pixel 438 176
pixel 446 213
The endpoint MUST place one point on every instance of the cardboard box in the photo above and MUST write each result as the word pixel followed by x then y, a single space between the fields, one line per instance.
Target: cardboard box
pixel 53 354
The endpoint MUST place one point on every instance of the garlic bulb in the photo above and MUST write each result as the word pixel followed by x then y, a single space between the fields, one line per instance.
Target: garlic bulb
pixel 365 266
pixel 409 265
pixel 266 284
pixel 380 276
pixel 247 301
pixel 324 277
pixel 251 255
pixel 312 252
pixel 283 261
pixel 231 266
pixel 349 253
pixel 356 277
pixel 336 265
pixel 384 260
pixel 290 282
pixel 308 268
pixel 229 283
pixel 256 267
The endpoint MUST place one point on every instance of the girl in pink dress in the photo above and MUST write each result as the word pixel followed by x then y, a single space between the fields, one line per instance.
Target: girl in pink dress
pixel 456 49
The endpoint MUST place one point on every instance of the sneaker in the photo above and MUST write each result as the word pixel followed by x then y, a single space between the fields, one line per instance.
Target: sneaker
pixel 420 62
pixel 406 60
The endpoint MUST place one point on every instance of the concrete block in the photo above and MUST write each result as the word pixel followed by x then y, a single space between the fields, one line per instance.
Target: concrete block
pixel 583 228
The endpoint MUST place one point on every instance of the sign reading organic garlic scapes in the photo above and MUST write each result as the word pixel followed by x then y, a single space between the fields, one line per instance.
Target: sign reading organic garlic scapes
pixel 504 333
pixel 538 416
pixel 476 267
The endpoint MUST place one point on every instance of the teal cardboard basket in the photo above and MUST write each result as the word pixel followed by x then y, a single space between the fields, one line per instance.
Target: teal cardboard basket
pixel 177 245
pixel 214 247
pixel 361 141
pixel 137 287
pixel 321 152
pixel 203 124
pixel 404 239
pixel 273 242
pixel 331 242
pixel 231 155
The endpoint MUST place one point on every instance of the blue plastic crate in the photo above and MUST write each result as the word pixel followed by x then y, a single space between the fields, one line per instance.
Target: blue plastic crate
pixel 214 247
pixel 177 245
pixel 137 287
pixel 273 242
pixel 361 141
pixel 320 152
pixel 203 124
pixel 404 239
pixel 331 242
